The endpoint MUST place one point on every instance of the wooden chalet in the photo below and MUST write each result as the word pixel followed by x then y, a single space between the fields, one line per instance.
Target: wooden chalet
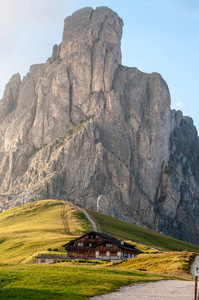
pixel 100 246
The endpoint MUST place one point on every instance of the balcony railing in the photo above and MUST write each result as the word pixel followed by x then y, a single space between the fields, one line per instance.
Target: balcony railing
pixel 76 248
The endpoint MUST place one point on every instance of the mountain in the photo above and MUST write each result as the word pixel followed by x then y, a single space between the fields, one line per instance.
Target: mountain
pixel 85 128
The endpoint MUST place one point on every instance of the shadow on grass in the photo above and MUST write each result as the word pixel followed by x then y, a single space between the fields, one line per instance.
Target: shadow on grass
pixel 36 294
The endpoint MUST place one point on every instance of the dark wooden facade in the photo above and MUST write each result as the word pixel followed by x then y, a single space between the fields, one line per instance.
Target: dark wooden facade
pixel 96 245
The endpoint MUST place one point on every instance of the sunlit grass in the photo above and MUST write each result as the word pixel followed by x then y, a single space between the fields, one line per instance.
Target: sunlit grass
pixel 171 263
pixel 61 281
pixel 39 226
pixel 36 227
pixel 127 231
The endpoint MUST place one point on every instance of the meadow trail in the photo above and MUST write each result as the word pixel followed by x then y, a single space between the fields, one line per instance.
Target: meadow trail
pixel 161 290
pixel 94 224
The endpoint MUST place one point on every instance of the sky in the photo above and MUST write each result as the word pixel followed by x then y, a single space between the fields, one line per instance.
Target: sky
pixel 158 36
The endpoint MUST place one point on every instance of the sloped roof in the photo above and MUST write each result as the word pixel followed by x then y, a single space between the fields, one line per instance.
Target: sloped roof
pixel 125 246
pixel 109 238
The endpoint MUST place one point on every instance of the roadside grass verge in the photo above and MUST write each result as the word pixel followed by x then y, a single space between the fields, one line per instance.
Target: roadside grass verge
pixel 170 263
pixel 127 231
pixel 61 281
pixel 37 226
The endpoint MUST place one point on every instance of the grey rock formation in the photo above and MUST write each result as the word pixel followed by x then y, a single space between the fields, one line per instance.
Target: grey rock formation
pixel 84 128
pixel 178 194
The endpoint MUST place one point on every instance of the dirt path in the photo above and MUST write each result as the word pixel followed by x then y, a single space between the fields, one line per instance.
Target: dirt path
pixel 91 219
pixel 161 290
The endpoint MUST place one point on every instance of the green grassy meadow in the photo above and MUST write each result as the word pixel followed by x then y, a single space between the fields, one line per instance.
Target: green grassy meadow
pixel 128 231
pixel 61 281
pixel 35 227
pixel 170 263
pixel 39 226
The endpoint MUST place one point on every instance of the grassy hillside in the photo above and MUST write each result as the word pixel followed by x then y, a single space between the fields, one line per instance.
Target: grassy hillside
pixel 36 227
pixel 61 281
pixel 127 231
pixel 171 263
pixel 40 225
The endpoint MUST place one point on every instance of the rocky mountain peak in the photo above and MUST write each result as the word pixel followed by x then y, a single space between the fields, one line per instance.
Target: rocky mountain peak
pixel 92 37
pixel 82 127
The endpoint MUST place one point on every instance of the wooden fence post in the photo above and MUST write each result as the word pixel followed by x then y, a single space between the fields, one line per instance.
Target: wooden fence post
pixel 196 284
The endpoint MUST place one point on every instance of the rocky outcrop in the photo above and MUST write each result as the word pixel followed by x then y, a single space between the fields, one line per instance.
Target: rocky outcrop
pixel 84 128
pixel 178 195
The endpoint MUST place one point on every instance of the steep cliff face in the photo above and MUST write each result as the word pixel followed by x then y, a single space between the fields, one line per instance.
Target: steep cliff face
pixel 178 196
pixel 82 127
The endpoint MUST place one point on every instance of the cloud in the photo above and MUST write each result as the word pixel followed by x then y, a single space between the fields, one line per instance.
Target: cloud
pixel 179 104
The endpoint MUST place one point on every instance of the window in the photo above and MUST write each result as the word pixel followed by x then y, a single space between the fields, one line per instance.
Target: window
pixel 107 253
pixel 92 236
pixel 80 244
pixel 90 244
pixel 108 245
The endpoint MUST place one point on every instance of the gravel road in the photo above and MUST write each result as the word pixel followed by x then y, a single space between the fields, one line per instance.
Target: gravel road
pixel 161 290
